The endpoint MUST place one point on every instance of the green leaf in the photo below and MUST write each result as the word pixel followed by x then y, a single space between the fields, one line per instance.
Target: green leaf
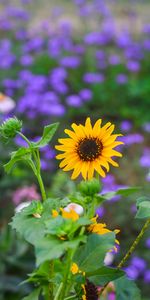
pixel 48 133
pixel 51 247
pixel 122 192
pixel 104 275
pixel 126 289
pixel 143 206
pixel 29 227
pixel 21 154
pixel 90 256
pixel 34 295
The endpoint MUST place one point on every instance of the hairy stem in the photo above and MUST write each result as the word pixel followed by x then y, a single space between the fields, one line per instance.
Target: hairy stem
pixel 130 251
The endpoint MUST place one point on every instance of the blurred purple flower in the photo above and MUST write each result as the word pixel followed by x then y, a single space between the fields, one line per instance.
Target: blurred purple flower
pixel 26 60
pixel 71 62
pixel 74 101
pixel 114 59
pixel 133 66
pixel 138 263
pixel 147 276
pixel 126 126
pixel 100 211
pixel 147 243
pixel 132 138
pixel 93 78
pixel 132 272
pixel 121 79
pixel 145 158
pixel 85 94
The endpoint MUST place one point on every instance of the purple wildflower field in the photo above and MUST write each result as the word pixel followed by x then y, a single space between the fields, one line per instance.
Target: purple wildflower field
pixel 72 61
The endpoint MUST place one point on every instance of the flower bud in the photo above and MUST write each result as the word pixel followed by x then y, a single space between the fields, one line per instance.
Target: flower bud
pixel 10 127
pixel 90 187
pixel 76 207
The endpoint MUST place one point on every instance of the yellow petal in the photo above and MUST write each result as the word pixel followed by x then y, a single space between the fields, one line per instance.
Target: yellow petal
pixel 90 171
pixel 88 125
pixel 108 153
pixel 76 171
pixel 99 170
pixel 96 128
pixel 84 169
pixel 71 134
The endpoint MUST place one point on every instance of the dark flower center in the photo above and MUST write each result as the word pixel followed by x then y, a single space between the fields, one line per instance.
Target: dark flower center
pixel 89 149
pixel 91 291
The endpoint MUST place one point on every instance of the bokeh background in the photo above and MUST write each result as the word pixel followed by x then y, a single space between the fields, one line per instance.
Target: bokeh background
pixel 64 60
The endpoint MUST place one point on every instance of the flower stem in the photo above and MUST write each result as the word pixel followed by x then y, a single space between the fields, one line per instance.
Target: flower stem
pixel 130 251
pixel 58 292
pixel 36 166
pixel 67 271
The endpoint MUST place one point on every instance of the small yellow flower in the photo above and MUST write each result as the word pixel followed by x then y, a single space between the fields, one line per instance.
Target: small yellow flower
pixel 54 213
pixel 88 149
pixel 69 214
pixel 100 228
pixel 75 269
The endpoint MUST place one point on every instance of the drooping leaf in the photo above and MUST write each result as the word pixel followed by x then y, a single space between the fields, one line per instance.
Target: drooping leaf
pixel 48 133
pixel 21 154
pixel 126 289
pixel 104 275
pixel 143 206
pixel 34 295
pixel 90 256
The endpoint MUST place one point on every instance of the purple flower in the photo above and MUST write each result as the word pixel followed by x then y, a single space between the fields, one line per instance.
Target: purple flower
pixel 85 94
pixel 145 158
pixel 100 211
pixel 132 272
pixel 110 185
pixel 26 60
pixel 126 126
pixel 71 62
pixel 74 101
pixel 93 78
pixel 133 66
pixel 146 28
pixel 138 263
pixel 114 59
pixel 147 276
pixel 132 138
pixel 146 44
pixel 121 79
pixel 147 243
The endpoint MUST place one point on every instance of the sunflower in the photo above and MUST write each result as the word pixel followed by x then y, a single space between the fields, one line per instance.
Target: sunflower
pixel 88 149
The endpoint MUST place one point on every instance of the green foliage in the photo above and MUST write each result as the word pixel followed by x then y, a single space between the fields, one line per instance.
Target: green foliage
pixel 34 295
pixel 90 256
pixel 47 135
pixel 22 154
pixel 29 227
pixel 51 247
pixel 104 274
pixel 143 206
pixel 122 192
pixel 126 289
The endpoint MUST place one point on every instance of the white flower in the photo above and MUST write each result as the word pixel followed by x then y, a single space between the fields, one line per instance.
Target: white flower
pixel 76 207
pixel 109 257
pixel 21 206
pixel 6 104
